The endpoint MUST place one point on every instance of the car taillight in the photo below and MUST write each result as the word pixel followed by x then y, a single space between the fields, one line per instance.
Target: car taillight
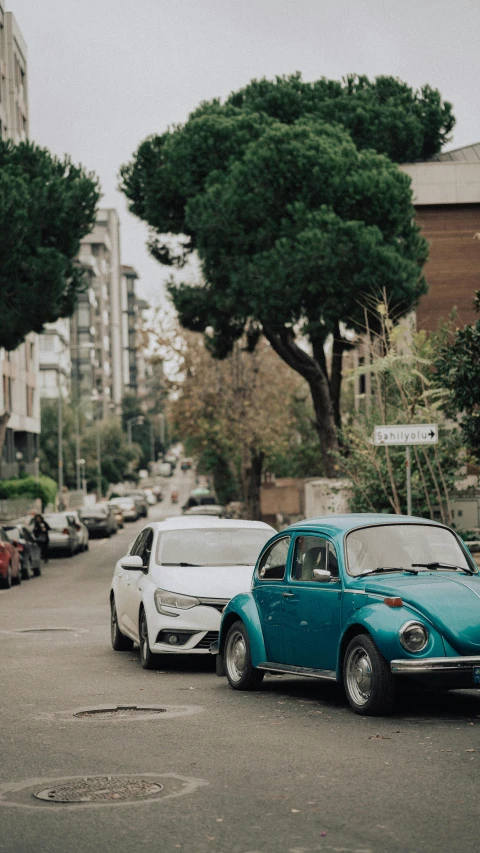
pixel 65 531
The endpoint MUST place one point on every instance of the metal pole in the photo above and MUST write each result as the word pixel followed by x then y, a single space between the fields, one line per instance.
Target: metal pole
pixel 152 441
pixel 99 465
pixel 408 463
pixel 77 442
pixel 60 444
pixel 161 418
pixel 129 431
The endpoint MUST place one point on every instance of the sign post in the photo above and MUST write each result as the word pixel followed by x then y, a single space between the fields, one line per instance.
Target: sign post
pixel 407 434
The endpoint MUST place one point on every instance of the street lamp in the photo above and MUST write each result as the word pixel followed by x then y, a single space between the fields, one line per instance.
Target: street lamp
pixel 130 423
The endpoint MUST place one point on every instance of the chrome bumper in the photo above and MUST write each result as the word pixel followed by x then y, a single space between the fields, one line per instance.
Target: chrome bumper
pixel 434 665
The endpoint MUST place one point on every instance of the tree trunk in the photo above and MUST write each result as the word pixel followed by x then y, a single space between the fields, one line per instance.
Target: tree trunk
pixel 253 482
pixel 4 419
pixel 336 374
pixel 283 342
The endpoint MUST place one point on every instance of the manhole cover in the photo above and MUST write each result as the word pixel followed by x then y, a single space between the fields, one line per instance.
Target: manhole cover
pixel 99 789
pixel 120 711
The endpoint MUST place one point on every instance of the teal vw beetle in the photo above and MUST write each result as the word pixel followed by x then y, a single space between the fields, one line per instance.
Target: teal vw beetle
pixel 362 600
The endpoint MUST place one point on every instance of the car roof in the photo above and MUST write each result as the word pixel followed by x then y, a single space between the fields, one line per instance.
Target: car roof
pixel 350 521
pixel 180 522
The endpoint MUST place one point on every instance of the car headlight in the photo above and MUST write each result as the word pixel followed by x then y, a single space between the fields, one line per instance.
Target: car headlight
pixel 413 636
pixel 165 600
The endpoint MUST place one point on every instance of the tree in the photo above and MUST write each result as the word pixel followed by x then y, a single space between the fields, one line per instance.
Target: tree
pixel 119 460
pixel 237 416
pixel 458 371
pixel 296 221
pixel 46 206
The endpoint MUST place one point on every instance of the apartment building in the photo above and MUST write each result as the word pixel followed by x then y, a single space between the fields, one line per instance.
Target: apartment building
pixel 133 334
pixel 18 369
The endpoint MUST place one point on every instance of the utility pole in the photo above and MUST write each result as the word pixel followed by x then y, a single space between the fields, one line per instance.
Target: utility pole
pixel 152 441
pixel 99 465
pixel 60 443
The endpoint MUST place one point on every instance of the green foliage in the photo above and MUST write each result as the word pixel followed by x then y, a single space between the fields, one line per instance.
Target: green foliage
pixel 29 487
pixel 458 371
pixel 46 206
pixel 49 441
pixel 401 365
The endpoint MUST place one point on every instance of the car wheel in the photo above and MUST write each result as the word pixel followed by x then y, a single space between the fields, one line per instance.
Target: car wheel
pixel 238 661
pixel 120 643
pixel 6 582
pixel 368 682
pixel 18 578
pixel 26 572
pixel 147 658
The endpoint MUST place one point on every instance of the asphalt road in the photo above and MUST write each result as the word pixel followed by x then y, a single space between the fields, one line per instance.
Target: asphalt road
pixel 289 769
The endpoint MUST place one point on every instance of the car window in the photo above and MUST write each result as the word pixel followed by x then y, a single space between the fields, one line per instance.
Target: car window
pixel 313 552
pixel 137 547
pixel 273 563
pixel 147 547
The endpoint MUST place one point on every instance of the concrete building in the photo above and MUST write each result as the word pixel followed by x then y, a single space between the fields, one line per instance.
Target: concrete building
pixel 134 363
pixel 18 369
pixel 55 360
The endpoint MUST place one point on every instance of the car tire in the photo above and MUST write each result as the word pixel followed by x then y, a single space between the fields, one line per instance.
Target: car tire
pixel 147 658
pixel 368 682
pixel 6 582
pixel 238 660
pixel 18 579
pixel 120 643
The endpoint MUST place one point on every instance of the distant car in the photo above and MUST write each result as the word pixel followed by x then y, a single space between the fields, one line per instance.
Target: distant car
pixel 140 498
pixel 27 546
pixel 117 514
pixel 63 535
pixel 99 519
pixel 186 464
pixel 157 491
pixel 81 528
pixel 168 592
pixel 129 507
pixel 165 469
pixel 207 509
pixel 10 564
pixel 364 600
pixel 151 498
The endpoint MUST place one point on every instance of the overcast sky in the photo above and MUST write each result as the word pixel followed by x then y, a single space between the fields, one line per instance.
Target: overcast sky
pixel 104 74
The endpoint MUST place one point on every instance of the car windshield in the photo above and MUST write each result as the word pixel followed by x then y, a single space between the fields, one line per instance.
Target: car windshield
pixel 397 546
pixel 209 547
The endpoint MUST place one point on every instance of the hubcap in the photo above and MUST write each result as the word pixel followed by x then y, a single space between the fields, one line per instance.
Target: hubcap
pixel 236 656
pixel 359 676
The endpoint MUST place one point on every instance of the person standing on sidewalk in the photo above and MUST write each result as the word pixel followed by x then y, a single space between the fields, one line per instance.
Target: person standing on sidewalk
pixel 40 531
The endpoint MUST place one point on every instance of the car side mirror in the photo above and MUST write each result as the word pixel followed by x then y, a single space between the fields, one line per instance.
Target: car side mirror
pixel 322 575
pixel 132 561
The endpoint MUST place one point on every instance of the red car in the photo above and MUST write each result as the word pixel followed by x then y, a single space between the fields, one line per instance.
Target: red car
pixel 10 570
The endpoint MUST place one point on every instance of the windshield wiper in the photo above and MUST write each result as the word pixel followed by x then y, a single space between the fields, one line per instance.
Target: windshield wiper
pixel 389 569
pixel 436 565
pixel 180 564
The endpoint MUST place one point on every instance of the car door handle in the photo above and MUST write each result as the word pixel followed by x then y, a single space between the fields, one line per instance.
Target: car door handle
pixel 288 594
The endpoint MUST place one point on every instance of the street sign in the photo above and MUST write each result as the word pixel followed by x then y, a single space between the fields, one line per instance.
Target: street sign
pixel 405 434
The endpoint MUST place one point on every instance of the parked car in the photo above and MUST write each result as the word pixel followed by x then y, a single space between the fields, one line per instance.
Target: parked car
pixel 165 469
pixel 117 514
pixel 81 528
pixel 157 491
pixel 99 519
pixel 10 565
pixel 129 507
pixel 168 592
pixel 28 548
pixel 139 497
pixel 364 600
pixel 63 535
pixel 150 497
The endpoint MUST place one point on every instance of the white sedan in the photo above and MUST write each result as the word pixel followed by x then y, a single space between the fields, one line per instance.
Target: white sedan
pixel 169 591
